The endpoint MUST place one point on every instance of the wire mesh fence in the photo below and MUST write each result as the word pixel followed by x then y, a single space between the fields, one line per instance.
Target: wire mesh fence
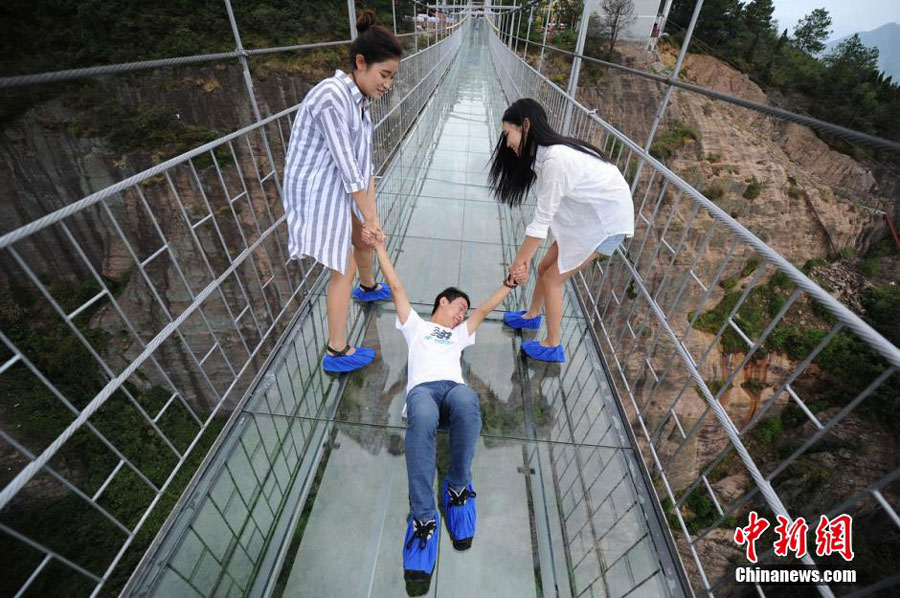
pixel 747 386
pixel 136 320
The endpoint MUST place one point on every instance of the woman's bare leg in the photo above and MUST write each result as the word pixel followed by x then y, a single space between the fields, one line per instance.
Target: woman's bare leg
pixel 337 302
pixel 364 256
pixel 539 294
pixel 553 302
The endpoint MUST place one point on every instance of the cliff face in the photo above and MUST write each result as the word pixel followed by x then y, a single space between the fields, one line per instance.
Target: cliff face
pixel 49 160
pixel 812 201
pixel 807 202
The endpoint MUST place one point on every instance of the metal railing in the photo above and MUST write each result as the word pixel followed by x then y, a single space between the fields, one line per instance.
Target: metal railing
pixel 168 322
pixel 174 288
pixel 233 529
pixel 714 343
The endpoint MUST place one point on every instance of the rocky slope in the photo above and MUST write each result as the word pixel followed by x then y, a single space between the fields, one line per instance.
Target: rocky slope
pixel 806 201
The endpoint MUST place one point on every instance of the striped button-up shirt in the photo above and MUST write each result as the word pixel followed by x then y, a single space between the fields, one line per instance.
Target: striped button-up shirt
pixel 329 157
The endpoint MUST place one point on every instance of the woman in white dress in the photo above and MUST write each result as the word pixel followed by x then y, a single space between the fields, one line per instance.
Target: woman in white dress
pixel 329 187
pixel 582 200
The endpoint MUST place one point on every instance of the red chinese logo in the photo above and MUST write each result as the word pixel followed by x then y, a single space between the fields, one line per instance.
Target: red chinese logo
pixel 835 535
pixel 791 536
pixel 748 535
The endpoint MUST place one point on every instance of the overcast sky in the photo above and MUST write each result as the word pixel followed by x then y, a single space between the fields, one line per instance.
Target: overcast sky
pixel 847 16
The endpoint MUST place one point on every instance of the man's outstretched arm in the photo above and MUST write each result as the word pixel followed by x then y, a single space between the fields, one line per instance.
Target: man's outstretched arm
pixel 482 311
pixel 398 293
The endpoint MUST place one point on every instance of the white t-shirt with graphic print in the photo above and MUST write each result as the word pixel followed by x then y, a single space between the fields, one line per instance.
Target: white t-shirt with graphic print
pixel 434 350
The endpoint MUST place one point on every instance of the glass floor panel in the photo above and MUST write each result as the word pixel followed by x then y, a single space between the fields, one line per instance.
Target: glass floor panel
pixel 308 494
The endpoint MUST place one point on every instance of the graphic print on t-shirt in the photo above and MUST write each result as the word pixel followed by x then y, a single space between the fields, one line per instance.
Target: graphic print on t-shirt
pixel 441 337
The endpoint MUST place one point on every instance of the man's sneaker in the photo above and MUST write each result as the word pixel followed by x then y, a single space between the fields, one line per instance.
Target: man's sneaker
pixel 420 548
pixel 459 509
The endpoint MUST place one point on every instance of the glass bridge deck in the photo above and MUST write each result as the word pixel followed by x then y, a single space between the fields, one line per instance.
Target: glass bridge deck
pixel 308 496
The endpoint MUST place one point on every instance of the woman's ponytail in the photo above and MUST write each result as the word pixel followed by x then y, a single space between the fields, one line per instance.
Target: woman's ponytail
pixel 374 42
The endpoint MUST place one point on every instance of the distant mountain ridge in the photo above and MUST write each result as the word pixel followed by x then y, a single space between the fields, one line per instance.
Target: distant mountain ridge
pixel 887 39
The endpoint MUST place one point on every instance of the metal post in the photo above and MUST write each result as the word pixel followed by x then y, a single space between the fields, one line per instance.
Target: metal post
pixel 665 102
pixel 528 35
pixel 576 67
pixel 248 81
pixel 415 29
pixel 518 28
pixel 546 29
pixel 674 76
pixel 394 14
pixel 351 14
pixel 509 21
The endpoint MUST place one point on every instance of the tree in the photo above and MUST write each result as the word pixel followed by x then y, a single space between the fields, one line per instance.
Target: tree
pixel 616 15
pixel 717 25
pixel 812 31
pixel 757 22
pixel 568 11
pixel 852 57
pixel 852 82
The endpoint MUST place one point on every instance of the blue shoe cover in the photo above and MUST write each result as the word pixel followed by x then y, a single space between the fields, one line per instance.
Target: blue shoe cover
pixel 420 548
pixel 381 293
pixel 535 350
pixel 514 319
pixel 348 363
pixel 459 509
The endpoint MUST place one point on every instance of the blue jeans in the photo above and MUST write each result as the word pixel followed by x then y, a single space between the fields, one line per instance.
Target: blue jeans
pixel 430 405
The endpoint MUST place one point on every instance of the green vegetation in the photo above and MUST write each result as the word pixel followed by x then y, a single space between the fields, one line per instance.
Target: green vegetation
pixel 844 87
pixel 753 189
pixel 73 34
pixel 729 283
pixel 761 305
pixel 812 264
pixel 870 265
pixel 669 510
pixel 714 192
pixel 665 146
pixel 81 33
pixel 754 386
pixel 882 305
pixel 631 292
pixel 847 364
pixel 750 267
pixel 703 512
pixel 781 281
pixel 35 417
pixel 499 418
pixel 127 130
pixel 768 430
pixel 795 192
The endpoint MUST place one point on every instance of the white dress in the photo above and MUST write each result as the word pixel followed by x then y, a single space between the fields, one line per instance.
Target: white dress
pixel 581 200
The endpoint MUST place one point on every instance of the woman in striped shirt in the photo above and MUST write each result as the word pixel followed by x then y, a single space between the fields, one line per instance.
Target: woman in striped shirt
pixel 329 187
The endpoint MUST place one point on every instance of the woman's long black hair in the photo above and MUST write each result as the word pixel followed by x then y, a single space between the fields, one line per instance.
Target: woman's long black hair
pixel 511 175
